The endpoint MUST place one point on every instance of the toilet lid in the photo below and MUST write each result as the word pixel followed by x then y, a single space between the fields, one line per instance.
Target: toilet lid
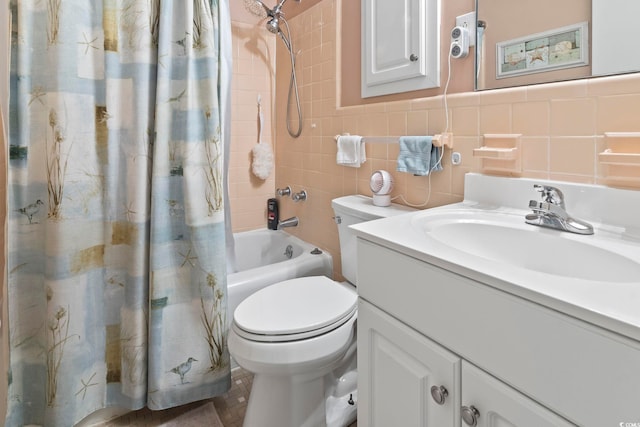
pixel 295 309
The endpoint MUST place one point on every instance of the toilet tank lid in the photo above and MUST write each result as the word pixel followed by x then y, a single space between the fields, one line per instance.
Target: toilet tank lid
pixel 363 207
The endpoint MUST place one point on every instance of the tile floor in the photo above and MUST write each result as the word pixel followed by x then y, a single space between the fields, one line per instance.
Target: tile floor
pixel 196 414
pixel 232 405
pixel 230 408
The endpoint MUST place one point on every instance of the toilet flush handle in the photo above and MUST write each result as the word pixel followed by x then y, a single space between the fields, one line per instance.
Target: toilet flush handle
pixel 337 219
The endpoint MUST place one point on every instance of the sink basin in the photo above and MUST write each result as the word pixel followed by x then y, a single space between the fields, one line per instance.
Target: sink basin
pixel 506 238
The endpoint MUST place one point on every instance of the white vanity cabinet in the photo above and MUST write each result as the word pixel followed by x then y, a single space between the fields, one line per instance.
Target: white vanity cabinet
pixel 397 367
pixel 405 379
pixel 491 403
pixel 517 363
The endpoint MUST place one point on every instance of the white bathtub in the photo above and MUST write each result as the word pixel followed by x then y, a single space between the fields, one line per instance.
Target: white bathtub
pixel 262 260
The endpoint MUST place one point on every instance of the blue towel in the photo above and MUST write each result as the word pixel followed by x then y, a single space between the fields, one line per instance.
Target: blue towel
pixel 418 155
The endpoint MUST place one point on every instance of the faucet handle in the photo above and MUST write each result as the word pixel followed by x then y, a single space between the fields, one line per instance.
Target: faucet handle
pixel 283 191
pixel 299 197
pixel 550 194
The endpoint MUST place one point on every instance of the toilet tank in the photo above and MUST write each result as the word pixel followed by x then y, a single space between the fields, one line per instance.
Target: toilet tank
pixel 351 210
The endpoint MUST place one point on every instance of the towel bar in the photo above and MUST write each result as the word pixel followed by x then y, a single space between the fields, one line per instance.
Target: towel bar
pixel 439 140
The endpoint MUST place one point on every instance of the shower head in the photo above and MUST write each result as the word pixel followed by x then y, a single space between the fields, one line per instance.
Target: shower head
pixel 258 8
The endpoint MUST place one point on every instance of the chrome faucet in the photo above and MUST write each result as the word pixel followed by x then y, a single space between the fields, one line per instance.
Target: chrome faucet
pixel 289 222
pixel 551 212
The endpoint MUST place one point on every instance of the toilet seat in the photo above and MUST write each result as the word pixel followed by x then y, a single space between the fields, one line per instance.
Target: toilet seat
pixel 295 309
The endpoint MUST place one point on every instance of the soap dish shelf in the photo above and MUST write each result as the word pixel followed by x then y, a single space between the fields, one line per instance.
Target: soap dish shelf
pixel 621 159
pixel 608 157
pixel 496 153
pixel 500 153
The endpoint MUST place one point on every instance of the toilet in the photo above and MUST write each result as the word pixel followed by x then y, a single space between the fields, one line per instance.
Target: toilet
pixel 298 338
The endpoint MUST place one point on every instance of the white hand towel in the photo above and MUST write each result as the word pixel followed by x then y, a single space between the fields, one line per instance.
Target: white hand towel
pixel 351 151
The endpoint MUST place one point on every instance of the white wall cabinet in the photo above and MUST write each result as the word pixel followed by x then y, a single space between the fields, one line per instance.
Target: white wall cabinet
pixel 406 379
pixel 521 364
pixel 400 46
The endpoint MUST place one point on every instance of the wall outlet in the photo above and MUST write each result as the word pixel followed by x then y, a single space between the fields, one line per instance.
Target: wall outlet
pixel 468 21
pixel 459 42
pixel 456 158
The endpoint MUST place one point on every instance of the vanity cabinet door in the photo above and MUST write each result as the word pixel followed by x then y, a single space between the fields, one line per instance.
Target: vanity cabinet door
pixel 397 369
pixel 491 403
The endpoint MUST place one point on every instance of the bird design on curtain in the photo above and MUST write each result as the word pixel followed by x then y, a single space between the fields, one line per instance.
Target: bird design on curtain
pixel 117 275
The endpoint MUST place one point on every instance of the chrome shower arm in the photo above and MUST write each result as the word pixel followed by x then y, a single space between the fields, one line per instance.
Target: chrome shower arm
pixel 278 8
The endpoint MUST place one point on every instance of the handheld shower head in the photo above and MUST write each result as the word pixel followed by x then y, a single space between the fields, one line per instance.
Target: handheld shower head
pixel 275 17
pixel 260 10
pixel 257 8
pixel 273 25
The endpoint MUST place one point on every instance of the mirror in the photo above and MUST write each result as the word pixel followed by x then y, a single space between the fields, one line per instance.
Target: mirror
pixel 523 42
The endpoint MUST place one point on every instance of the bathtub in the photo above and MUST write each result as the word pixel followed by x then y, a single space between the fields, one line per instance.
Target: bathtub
pixel 262 259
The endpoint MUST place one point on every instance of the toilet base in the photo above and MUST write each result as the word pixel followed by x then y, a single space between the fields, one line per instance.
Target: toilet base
pixel 305 400
pixel 279 401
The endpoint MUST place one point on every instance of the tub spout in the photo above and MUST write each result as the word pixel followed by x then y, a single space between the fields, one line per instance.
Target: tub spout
pixel 289 222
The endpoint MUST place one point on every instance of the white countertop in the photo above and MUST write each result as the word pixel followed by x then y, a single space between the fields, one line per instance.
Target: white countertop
pixel 611 305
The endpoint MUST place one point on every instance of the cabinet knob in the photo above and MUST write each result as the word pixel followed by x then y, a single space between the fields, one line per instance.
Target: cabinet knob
pixel 439 394
pixel 413 57
pixel 470 415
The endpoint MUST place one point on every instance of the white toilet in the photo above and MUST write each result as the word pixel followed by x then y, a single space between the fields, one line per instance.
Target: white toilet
pixel 298 337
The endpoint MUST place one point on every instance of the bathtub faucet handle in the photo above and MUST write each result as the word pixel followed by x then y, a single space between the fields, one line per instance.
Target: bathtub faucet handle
pixel 300 196
pixel 283 191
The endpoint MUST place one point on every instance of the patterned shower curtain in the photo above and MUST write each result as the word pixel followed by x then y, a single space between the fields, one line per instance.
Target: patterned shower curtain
pixel 116 269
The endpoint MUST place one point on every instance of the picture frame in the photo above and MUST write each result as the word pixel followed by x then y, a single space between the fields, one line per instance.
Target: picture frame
pixel 555 49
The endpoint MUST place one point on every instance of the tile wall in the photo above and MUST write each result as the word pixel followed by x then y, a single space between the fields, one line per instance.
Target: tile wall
pixel 562 127
pixel 253 75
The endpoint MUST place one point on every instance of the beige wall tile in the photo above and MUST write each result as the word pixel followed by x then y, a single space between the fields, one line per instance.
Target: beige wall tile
pixel 531 118
pixel 465 121
pixel 495 119
pixel 561 90
pixel 253 51
pixel 614 85
pixel 616 113
pixel 573 155
pixel 438 121
pixel 457 181
pixel 417 123
pixel 535 155
pixel 573 117
pixel 397 123
pixel 503 96
pixel 464 99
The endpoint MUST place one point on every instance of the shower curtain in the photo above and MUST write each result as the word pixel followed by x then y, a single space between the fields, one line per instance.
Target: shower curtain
pixel 116 245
